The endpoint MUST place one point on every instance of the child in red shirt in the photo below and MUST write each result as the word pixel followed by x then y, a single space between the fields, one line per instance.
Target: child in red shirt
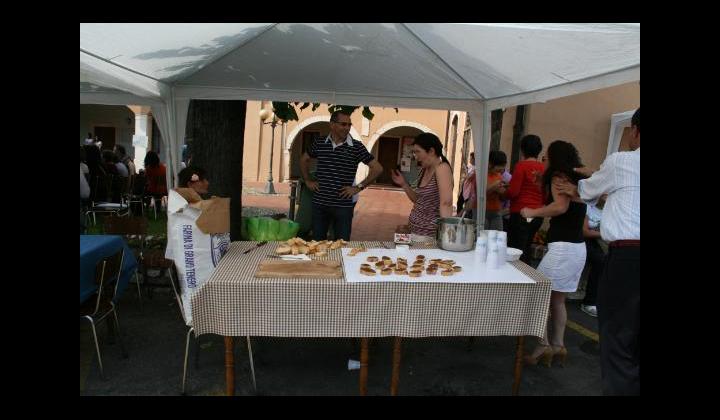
pixel 525 191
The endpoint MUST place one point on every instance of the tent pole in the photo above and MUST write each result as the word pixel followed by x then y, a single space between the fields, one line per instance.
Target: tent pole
pixel 181 112
pixel 481 140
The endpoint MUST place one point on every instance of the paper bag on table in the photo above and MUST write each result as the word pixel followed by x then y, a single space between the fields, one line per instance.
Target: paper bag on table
pixel 198 237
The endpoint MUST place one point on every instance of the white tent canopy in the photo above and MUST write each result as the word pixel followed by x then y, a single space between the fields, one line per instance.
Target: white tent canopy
pixel 472 67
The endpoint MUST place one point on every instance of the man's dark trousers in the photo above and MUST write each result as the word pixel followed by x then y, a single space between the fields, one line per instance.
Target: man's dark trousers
pixel 619 320
pixel 341 217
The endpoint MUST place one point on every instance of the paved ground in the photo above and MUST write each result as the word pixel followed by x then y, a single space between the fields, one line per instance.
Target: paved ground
pixel 155 337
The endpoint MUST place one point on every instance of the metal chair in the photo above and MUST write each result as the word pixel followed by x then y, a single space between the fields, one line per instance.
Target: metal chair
pixel 154 200
pixel 176 289
pixel 102 202
pixel 100 305
pixel 136 192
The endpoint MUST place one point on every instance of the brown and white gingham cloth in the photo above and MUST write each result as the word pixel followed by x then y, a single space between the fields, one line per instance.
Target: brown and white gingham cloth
pixel 235 303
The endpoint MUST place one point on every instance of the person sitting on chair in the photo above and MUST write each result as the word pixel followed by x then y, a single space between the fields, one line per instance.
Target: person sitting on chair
pixel 194 177
pixel 155 176
pixel 125 159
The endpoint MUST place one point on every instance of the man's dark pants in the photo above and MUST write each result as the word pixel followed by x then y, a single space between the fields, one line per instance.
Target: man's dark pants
pixel 596 262
pixel 619 320
pixel 341 217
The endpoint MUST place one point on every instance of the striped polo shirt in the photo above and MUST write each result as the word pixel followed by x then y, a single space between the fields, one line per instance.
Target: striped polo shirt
pixel 336 168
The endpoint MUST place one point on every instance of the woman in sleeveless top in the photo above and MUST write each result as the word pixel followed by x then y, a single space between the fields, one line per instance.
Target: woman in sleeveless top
pixel 563 264
pixel 155 173
pixel 433 195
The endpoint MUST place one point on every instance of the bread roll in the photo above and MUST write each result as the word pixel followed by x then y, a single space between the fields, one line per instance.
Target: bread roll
pixel 367 271
pixel 283 250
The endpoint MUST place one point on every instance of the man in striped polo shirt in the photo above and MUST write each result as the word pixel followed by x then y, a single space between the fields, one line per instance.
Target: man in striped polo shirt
pixel 338 156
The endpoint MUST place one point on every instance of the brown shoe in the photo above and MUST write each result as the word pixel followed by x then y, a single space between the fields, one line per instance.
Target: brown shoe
pixel 546 356
pixel 559 353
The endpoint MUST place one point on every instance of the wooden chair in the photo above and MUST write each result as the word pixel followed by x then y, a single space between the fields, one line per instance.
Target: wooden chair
pixel 154 259
pixel 101 304
pixel 135 228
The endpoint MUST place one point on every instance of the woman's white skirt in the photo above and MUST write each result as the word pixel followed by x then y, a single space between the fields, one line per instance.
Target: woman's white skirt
pixel 563 265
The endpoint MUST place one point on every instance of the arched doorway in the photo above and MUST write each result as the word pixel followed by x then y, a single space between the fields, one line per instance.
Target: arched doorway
pixel 392 147
pixel 300 143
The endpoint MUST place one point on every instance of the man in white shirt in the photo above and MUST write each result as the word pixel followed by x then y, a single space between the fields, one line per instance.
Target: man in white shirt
pixel 125 159
pixel 618 301
pixel 122 169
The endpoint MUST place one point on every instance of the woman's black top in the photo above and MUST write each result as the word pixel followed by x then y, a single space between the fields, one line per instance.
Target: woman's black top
pixel 568 227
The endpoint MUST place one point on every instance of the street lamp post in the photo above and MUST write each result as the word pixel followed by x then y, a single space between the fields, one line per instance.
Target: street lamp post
pixel 264 114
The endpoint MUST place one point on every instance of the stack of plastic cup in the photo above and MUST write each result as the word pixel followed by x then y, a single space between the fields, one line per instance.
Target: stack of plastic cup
pixel 481 247
pixel 492 256
pixel 502 247
pixel 492 236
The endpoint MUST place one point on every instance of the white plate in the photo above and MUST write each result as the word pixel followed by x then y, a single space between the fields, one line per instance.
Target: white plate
pixel 473 269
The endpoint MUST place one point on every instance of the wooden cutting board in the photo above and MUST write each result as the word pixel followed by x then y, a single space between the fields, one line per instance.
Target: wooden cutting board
pixel 299 269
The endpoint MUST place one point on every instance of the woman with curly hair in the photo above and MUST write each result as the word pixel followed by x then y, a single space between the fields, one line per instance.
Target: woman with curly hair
pixel 565 259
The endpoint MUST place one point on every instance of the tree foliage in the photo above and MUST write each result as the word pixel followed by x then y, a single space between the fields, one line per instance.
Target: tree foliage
pixel 286 110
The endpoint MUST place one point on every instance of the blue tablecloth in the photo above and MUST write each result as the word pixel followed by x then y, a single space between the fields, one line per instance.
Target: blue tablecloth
pixel 93 248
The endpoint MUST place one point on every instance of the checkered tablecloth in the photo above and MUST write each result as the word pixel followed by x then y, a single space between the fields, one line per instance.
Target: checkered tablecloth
pixel 235 303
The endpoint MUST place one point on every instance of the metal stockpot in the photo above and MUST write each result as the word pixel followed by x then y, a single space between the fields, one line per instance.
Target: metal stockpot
pixel 456 234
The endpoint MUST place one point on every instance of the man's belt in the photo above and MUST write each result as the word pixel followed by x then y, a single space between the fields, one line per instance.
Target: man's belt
pixel 623 243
